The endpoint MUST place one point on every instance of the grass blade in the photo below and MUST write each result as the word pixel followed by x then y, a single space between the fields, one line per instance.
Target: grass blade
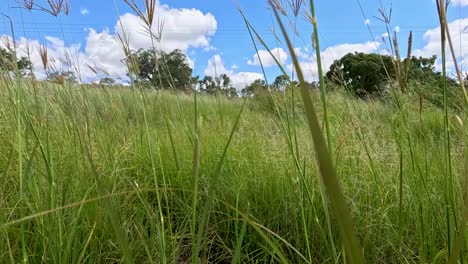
pixel 328 171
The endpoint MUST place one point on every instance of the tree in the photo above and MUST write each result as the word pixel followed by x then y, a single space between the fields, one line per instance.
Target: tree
pixel 422 69
pixel 218 85
pixel 66 77
pixel 364 74
pixel 107 81
pixel 254 88
pixel 280 83
pixel 10 64
pixel 208 85
pixel 369 74
pixel 194 82
pixel 164 70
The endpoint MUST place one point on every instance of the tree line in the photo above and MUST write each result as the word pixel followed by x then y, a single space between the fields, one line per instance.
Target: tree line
pixel 364 75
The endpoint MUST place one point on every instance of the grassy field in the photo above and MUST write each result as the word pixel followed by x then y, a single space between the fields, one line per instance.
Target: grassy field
pixel 114 175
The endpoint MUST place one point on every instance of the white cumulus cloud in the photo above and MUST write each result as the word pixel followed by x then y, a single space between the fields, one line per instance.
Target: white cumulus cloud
pixel 432 44
pixel 239 80
pixel 460 2
pixel 329 55
pixel 183 29
pixel 267 60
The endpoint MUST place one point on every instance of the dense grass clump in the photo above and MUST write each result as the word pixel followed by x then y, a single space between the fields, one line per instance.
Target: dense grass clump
pixel 106 175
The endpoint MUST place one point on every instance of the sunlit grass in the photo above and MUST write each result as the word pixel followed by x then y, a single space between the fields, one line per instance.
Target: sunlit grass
pixel 127 175
pixel 102 155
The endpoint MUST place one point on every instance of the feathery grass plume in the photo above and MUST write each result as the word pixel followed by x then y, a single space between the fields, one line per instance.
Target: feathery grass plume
pixel 92 68
pixel 408 57
pixel 159 31
pixel 27 4
pixel 97 69
pixel 296 6
pixel 9 44
pixel 402 70
pixel 275 35
pixel 28 51
pixel 398 69
pixel 148 15
pixel 54 8
pixel 72 58
pixel 327 169
pixel 57 7
pixel 386 18
pixel 278 5
pixel 44 54
pixel 130 61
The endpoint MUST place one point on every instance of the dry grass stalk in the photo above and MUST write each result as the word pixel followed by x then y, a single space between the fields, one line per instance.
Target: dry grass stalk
pixel 9 45
pixel 408 58
pixel 148 15
pixel 386 18
pixel 296 6
pixel 54 8
pixel 27 4
pixel 130 61
pixel 44 54
pixel 402 70
pixel 96 69
pixel 398 69
pixel 278 5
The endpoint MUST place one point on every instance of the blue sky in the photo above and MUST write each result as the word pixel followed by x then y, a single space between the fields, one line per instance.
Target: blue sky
pixel 212 33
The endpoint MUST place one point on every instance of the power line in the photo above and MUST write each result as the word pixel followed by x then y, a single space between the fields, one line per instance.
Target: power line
pixel 323 27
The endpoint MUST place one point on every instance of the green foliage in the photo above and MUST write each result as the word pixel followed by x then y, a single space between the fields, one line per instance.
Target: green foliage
pixel 254 88
pixel 219 85
pixel 162 69
pixel 280 83
pixel 66 77
pixel 428 83
pixel 422 69
pixel 10 64
pixel 363 74
pixel 107 81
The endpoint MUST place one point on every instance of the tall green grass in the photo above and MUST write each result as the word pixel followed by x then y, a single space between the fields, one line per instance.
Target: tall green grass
pixel 88 183
pixel 111 175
